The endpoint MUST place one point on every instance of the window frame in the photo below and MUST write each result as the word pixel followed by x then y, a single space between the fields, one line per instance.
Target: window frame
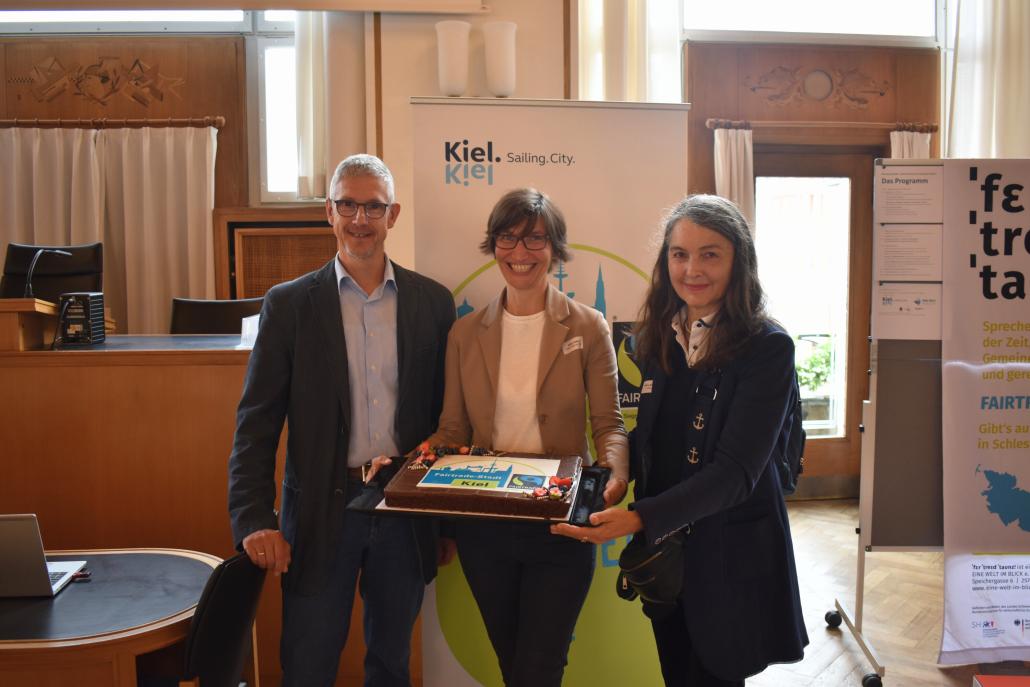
pixel 244 26
pixel 710 35
pixel 264 196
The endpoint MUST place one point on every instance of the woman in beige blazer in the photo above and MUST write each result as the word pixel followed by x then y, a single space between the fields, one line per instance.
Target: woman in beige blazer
pixel 519 375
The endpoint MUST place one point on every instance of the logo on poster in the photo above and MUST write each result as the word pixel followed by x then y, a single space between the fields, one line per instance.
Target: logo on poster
pixel 465 163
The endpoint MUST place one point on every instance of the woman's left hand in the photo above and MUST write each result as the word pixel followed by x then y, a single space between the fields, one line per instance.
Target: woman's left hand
pixel 607 524
pixel 615 491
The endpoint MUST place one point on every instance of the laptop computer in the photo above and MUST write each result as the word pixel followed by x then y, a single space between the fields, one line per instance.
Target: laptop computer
pixel 25 571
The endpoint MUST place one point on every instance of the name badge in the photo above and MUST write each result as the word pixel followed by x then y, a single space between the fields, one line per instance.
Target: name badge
pixel 647 386
pixel 573 344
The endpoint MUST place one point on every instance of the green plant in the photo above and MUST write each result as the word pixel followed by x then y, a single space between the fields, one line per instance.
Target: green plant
pixel 815 371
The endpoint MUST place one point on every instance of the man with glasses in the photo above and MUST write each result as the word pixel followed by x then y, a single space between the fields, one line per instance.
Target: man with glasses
pixel 353 356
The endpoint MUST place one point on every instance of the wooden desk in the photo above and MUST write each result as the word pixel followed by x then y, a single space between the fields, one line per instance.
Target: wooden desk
pixel 91 633
pixel 127 445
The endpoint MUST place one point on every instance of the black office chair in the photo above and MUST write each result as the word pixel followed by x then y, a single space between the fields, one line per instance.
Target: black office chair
pixel 219 638
pixel 196 316
pixel 55 274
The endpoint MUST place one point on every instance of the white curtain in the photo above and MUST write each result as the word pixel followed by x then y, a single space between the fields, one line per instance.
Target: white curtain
pixel 159 191
pixel 989 97
pixel 50 187
pixel 310 50
pixel 735 170
pixel 910 145
pixel 629 50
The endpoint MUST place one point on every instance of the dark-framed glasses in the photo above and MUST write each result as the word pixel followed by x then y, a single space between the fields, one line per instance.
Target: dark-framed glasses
pixel 530 241
pixel 346 207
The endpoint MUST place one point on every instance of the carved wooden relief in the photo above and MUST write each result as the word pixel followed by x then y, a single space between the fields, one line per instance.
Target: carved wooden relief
pixel 109 77
pixel 849 88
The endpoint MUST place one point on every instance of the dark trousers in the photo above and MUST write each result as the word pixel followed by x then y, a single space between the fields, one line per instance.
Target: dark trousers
pixel 530 586
pixel 315 627
pixel 681 667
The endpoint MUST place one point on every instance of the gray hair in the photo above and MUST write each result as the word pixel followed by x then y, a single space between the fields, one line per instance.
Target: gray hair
pixel 742 312
pixel 362 165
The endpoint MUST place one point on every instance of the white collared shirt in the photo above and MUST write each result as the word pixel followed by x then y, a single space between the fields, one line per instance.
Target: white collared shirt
pixel 370 334
pixel 695 343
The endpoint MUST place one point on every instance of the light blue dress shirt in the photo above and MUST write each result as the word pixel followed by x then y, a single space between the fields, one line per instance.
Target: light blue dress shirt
pixel 370 330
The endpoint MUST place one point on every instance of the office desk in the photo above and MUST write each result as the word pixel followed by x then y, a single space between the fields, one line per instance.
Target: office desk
pixel 137 601
pixel 127 445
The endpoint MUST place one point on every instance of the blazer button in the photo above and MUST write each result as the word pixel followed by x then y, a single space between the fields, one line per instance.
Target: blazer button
pixel 338 492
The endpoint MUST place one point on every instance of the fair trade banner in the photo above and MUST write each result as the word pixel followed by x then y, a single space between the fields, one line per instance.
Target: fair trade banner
pixel 986 411
pixel 613 169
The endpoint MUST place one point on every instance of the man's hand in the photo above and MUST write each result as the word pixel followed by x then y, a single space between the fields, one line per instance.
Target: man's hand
pixel 446 549
pixel 268 549
pixel 607 524
pixel 378 463
pixel 615 491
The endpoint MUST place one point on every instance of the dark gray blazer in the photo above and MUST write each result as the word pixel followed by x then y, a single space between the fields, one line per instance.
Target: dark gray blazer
pixel 298 373
pixel 740 592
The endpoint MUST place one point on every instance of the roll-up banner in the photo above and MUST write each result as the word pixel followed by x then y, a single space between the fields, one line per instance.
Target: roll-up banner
pixel 613 169
pixel 986 411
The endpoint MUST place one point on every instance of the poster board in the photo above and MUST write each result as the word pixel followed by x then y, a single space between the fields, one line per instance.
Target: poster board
pixel 613 169
pixel 903 507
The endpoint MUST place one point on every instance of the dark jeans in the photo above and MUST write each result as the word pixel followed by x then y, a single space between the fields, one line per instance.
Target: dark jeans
pixel 681 667
pixel 530 586
pixel 315 627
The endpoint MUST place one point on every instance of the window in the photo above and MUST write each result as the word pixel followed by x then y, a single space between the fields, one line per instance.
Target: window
pixel 277 117
pixel 870 22
pixel 125 21
pixel 801 237
pixel 276 106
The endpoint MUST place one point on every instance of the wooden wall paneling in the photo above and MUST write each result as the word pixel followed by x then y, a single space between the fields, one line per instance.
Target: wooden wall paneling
pixel 227 221
pixel 266 257
pixel 3 88
pixel 860 83
pixel 919 92
pixel 758 82
pixel 73 77
pixel 709 70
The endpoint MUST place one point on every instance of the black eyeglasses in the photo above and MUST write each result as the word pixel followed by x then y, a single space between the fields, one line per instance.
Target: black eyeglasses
pixel 373 209
pixel 530 241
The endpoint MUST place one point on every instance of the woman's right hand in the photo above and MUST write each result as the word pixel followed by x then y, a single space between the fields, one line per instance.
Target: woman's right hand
pixel 607 524
pixel 376 464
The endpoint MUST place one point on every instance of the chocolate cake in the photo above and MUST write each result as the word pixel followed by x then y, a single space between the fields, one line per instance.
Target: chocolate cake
pixel 479 481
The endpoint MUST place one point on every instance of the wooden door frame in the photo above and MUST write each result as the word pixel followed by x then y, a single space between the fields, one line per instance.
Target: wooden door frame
pixel 832 464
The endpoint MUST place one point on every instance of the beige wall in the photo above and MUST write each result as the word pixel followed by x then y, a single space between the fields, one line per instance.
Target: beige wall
pixel 409 69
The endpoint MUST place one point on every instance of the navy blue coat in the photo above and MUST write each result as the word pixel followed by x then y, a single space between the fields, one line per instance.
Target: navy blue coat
pixel 298 373
pixel 740 591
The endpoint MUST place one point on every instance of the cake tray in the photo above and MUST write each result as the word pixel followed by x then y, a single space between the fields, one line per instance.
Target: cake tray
pixel 587 497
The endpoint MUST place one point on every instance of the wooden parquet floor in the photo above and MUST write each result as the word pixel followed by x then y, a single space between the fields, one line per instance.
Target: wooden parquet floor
pixel 903 608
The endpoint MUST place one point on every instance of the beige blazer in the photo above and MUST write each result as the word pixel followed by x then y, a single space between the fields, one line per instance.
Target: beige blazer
pixel 577 364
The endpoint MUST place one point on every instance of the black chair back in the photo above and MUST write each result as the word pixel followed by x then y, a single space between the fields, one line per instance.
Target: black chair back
pixel 196 316
pixel 55 274
pixel 219 637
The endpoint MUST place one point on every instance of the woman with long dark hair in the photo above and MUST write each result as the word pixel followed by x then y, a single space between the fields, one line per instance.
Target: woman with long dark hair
pixel 718 384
